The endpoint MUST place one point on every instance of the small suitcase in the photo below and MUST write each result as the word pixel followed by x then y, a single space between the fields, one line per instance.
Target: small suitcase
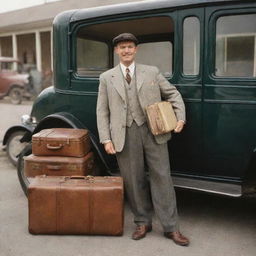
pixel 161 117
pixel 76 205
pixel 61 142
pixel 58 165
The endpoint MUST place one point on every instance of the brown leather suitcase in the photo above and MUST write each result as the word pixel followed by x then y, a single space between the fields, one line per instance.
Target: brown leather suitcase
pixel 58 165
pixel 161 117
pixel 61 142
pixel 76 205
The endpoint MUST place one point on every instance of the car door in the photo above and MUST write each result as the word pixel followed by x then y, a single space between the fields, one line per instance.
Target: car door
pixel 186 148
pixel 229 106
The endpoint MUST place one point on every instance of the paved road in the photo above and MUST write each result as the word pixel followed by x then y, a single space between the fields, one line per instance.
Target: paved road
pixel 217 226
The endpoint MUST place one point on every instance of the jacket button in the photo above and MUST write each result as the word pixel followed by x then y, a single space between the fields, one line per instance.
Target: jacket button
pixel 125 107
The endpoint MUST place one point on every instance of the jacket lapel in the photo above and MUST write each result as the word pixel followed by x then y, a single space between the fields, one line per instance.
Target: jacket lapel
pixel 118 82
pixel 118 79
pixel 140 76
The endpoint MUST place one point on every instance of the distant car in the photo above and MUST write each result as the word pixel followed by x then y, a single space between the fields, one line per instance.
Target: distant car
pixel 13 82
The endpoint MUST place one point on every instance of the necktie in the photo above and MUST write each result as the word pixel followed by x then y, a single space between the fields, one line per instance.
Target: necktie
pixel 128 77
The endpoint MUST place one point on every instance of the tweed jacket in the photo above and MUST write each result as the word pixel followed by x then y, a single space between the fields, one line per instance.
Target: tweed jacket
pixel 152 87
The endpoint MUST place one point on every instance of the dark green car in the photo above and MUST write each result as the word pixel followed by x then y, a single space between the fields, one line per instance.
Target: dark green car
pixel 207 49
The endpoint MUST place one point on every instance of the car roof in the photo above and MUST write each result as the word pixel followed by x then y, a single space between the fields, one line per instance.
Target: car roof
pixel 134 7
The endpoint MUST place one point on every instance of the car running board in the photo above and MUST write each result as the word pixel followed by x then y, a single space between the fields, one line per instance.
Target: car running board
pixel 227 189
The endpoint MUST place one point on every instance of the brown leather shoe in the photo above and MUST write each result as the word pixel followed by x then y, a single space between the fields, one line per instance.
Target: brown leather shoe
pixel 177 237
pixel 141 231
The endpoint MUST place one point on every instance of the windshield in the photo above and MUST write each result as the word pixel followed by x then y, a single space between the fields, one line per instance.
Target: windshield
pixel 11 66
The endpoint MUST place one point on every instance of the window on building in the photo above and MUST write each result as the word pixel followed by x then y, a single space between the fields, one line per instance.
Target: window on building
pixel 191 46
pixel 94 50
pixel 236 46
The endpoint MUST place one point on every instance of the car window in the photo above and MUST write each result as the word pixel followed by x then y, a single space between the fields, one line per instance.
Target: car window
pixel 235 46
pixel 94 50
pixel 191 45
pixel 92 57
pixel 7 66
pixel 155 53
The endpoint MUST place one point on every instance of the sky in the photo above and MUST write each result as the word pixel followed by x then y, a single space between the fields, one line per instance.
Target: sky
pixel 11 5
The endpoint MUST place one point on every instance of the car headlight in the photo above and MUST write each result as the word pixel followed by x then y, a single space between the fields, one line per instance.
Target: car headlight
pixel 27 119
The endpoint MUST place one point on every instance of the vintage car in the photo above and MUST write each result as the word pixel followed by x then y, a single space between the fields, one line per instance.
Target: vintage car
pixel 13 82
pixel 206 48
pixel 16 84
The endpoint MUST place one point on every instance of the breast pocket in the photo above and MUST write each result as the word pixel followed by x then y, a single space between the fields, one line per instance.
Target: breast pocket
pixel 151 90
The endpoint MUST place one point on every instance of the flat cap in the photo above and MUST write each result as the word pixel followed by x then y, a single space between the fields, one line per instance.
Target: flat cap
pixel 125 37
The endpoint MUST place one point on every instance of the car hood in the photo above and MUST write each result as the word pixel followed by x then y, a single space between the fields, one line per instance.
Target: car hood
pixel 20 77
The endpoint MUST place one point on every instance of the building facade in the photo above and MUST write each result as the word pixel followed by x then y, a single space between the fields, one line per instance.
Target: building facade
pixel 26 35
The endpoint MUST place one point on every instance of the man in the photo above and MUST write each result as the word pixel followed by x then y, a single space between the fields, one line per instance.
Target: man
pixel 124 93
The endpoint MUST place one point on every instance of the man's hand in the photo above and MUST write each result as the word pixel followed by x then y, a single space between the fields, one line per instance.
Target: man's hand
pixel 179 127
pixel 109 148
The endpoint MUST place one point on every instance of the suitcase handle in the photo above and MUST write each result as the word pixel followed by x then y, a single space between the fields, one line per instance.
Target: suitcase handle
pixel 54 167
pixel 74 177
pixel 54 147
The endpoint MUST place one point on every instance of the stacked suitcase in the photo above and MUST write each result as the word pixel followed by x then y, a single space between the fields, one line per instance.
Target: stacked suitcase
pixel 60 152
pixel 62 199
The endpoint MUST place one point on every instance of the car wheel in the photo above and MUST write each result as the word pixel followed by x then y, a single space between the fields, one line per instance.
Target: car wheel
pixel 14 146
pixel 24 181
pixel 16 95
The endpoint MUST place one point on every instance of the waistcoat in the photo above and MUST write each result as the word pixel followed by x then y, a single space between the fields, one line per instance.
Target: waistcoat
pixel 134 111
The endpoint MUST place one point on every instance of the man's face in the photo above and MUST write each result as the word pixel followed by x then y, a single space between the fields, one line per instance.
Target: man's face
pixel 126 52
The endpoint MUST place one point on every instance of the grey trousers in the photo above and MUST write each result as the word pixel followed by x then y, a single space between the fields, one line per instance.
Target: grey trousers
pixel 140 149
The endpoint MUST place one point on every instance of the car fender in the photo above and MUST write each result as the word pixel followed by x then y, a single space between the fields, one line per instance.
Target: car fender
pixel 28 129
pixel 16 85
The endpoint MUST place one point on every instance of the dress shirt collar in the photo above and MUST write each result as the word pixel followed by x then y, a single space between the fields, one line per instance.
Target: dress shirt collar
pixel 131 68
